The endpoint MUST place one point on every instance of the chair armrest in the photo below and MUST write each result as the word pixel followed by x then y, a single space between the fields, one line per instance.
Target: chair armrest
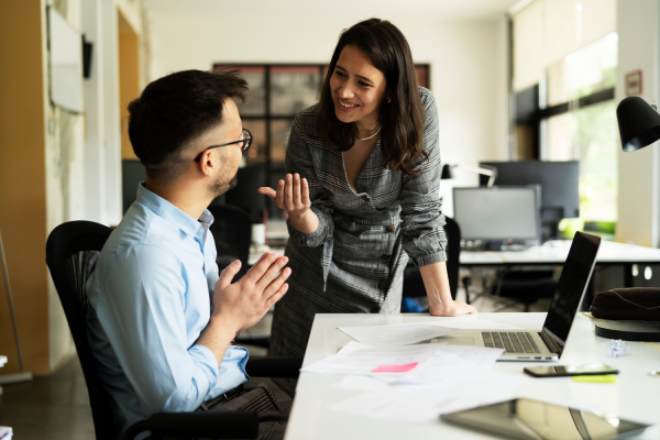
pixel 274 367
pixel 256 341
pixel 216 424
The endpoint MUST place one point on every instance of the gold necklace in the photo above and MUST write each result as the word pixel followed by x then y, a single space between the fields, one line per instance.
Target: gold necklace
pixel 371 136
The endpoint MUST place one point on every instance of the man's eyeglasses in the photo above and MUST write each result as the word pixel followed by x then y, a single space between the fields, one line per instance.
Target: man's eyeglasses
pixel 245 142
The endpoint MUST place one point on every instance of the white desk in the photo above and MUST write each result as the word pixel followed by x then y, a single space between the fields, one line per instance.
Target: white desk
pixel 550 253
pixel 555 252
pixel 636 395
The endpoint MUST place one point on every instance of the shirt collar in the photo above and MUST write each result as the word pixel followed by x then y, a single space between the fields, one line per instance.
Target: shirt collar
pixel 164 208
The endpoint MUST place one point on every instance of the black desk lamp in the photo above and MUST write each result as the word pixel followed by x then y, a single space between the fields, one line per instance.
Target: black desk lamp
pixel 639 123
pixel 632 313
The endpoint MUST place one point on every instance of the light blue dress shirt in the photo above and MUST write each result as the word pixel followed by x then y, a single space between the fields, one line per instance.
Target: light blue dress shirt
pixel 150 298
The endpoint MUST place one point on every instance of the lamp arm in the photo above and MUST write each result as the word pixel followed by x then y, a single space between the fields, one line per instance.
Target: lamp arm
pixel 491 173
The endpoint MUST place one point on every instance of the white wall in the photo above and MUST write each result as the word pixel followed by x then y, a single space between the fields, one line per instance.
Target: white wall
pixel 83 151
pixel 468 62
pixel 639 195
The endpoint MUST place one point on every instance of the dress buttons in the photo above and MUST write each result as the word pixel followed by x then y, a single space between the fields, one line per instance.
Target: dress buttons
pixel 390 228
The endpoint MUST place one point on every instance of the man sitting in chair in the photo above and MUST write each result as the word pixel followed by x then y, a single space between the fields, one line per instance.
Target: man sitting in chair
pixel 162 318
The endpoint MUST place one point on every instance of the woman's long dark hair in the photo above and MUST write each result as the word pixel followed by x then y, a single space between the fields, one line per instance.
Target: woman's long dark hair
pixel 401 109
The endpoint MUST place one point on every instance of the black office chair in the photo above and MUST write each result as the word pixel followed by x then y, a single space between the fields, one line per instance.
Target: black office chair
pixel 71 253
pixel 525 286
pixel 232 232
pixel 413 285
pixel 245 195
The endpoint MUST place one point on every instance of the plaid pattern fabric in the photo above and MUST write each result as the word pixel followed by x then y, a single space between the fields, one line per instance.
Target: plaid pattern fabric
pixel 354 261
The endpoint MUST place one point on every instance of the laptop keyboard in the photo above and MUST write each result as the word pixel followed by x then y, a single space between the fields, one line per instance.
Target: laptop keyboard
pixel 512 342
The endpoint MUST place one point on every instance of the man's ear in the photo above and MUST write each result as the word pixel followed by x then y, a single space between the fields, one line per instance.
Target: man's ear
pixel 206 163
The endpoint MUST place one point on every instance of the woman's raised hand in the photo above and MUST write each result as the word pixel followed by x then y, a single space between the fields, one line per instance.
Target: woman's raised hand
pixel 292 196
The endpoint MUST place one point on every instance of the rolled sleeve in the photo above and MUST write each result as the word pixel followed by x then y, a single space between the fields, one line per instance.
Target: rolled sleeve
pixel 423 235
pixel 299 160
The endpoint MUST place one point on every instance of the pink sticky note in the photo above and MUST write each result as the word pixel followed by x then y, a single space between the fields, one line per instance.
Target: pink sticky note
pixel 394 368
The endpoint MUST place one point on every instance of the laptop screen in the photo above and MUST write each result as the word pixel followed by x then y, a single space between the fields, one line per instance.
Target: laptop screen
pixel 572 284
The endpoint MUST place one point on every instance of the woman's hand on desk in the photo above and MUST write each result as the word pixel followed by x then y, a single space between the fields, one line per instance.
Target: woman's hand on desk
pixel 292 196
pixel 454 308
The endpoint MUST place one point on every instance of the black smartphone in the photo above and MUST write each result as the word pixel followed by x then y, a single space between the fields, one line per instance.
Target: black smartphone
pixel 570 370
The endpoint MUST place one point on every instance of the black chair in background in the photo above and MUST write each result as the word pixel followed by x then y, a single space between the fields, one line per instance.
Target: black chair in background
pixel 245 195
pixel 71 253
pixel 132 173
pixel 232 232
pixel 413 286
pixel 525 286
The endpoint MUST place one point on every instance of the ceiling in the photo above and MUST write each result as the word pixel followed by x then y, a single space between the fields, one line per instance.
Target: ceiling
pixel 441 10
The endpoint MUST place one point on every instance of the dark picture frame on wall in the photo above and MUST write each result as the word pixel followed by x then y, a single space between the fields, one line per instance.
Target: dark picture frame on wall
pixel 277 92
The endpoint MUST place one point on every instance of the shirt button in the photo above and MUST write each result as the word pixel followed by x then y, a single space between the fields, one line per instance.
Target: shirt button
pixel 390 228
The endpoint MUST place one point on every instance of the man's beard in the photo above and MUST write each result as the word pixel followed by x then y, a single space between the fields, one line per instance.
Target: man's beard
pixel 219 188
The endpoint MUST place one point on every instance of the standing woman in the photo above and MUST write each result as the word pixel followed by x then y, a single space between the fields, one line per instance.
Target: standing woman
pixel 362 193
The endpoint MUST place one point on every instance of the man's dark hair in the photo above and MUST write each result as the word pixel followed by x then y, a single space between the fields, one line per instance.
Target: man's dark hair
pixel 175 109
pixel 401 110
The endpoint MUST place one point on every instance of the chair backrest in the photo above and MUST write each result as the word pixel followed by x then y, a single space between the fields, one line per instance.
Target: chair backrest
pixel 245 195
pixel 412 279
pixel 71 253
pixel 232 232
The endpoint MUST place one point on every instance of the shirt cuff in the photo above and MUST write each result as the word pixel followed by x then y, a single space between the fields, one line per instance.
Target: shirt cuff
pixel 232 370
pixel 315 238
pixel 423 260
pixel 205 356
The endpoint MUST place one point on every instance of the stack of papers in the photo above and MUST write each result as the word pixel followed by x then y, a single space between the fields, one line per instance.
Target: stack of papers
pixel 406 364
pixel 386 365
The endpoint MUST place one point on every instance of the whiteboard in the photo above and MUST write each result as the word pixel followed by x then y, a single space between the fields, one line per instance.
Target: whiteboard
pixel 65 63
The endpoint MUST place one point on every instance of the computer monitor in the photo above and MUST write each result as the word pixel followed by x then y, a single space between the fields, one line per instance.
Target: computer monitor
pixel 498 216
pixel 559 181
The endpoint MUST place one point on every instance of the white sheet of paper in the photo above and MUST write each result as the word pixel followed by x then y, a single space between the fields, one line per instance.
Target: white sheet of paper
pixel 394 334
pixel 433 363
pixel 423 403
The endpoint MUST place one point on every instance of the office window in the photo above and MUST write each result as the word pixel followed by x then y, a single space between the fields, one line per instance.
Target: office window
pixel 579 122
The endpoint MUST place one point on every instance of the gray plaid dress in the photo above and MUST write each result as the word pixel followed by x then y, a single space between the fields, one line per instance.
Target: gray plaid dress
pixel 354 261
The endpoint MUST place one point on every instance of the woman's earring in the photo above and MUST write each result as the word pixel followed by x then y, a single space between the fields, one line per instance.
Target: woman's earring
pixel 388 100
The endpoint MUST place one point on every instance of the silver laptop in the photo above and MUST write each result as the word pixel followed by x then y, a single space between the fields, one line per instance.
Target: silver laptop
pixel 548 344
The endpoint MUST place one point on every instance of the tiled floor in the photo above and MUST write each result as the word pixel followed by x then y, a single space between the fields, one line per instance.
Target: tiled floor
pixel 50 407
pixel 56 407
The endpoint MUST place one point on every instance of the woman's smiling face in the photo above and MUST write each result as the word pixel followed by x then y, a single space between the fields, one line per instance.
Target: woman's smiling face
pixel 357 88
